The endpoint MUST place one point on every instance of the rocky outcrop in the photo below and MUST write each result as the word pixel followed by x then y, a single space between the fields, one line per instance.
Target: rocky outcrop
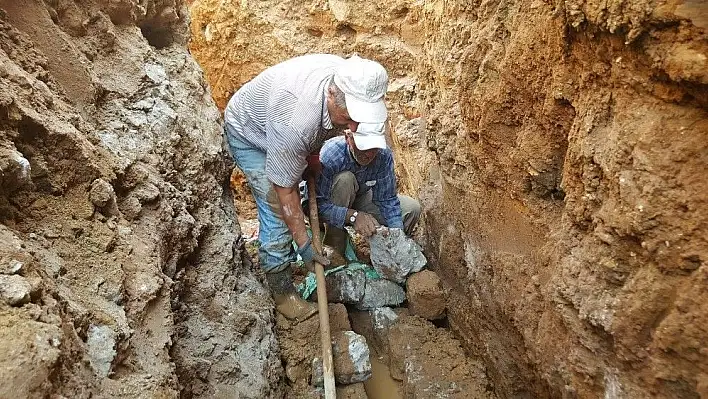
pixel 116 231
pixel 559 149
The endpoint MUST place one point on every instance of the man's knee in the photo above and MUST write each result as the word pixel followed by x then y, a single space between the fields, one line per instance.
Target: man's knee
pixel 344 189
pixel 410 210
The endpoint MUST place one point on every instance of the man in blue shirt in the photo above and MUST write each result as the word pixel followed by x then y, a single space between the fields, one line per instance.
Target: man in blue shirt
pixel 357 187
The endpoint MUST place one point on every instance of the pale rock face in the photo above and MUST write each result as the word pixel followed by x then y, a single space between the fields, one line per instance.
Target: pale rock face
pixel 395 256
pixel 379 293
pixel 114 217
pixel 101 343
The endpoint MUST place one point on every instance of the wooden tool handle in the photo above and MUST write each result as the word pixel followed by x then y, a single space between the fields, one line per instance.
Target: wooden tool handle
pixel 325 336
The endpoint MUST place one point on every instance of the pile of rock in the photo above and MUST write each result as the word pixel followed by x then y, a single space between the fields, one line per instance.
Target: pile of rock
pixel 374 306
pixel 399 262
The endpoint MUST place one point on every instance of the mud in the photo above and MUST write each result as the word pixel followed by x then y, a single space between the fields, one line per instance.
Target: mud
pixel 381 385
pixel 114 212
pixel 558 149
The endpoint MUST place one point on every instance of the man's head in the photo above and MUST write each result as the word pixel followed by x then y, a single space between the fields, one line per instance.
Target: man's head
pixel 366 142
pixel 358 93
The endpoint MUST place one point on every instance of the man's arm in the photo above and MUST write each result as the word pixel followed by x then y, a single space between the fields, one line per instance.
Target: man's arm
pixel 289 198
pixel 385 195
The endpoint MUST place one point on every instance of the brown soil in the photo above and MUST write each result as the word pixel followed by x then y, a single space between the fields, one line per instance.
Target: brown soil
pixel 300 343
pixel 137 287
pixel 559 150
pixel 431 363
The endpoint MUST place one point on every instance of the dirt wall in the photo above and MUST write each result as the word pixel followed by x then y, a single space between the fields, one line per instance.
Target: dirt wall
pixel 560 151
pixel 119 253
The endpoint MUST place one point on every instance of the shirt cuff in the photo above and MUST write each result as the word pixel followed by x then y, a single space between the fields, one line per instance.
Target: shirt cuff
pixel 337 215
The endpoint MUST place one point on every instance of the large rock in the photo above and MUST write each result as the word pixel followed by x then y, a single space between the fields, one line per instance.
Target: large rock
pixel 374 325
pixel 380 293
pixel 346 286
pixel 394 255
pixel 350 354
pixel 425 294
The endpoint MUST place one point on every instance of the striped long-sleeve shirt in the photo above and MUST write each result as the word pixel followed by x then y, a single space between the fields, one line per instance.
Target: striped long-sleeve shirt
pixel 379 176
pixel 283 112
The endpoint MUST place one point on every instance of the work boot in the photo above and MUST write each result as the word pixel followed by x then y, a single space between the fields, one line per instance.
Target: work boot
pixel 287 301
pixel 337 240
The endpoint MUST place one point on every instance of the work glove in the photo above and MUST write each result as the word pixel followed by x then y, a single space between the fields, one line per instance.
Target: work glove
pixel 309 256
pixel 314 167
pixel 365 224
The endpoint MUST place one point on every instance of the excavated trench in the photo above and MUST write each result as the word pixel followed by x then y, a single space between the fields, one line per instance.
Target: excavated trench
pixel 559 150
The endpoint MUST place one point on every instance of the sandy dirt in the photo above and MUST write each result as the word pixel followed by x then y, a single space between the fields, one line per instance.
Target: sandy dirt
pixel 113 211
pixel 559 150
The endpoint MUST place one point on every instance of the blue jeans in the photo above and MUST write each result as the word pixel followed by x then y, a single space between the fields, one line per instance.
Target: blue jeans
pixel 276 250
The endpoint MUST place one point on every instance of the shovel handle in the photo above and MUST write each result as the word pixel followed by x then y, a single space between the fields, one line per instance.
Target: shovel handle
pixel 325 336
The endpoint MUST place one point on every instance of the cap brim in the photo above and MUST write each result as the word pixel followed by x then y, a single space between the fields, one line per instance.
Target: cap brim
pixel 366 112
pixel 366 142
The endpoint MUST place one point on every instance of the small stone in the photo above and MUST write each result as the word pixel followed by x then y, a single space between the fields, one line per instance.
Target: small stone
pixel 395 256
pixel 426 297
pixel 380 293
pixel 16 266
pixel 317 379
pixel 15 171
pixel 32 236
pixel 101 193
pixel 49 233
pixel 146 192
pixel 350 354
pixel 131 208
pixel 101 343
pixel 14 289
pixel 346 286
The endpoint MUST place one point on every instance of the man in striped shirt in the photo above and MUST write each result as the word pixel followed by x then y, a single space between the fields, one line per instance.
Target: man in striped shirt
pixel 357 187
pixel 272 124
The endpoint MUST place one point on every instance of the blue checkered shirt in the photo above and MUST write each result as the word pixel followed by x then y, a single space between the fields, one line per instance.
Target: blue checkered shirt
pixel 378 175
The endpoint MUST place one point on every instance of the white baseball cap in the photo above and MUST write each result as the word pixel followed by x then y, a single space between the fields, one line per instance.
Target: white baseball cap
pixel 364 84
pixel 369 135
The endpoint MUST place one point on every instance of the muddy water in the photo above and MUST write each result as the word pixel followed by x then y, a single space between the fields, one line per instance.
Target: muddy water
pixel 381 385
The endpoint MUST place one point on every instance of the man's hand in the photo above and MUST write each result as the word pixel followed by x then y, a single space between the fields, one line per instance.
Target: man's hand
pixel 365 224
pixel 309 256
pixel 314 167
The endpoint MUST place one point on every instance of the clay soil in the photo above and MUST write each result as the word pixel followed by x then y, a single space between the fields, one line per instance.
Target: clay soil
pixel 559 150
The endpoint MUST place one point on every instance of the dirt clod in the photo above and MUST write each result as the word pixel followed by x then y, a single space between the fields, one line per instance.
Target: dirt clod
pixel 431 363
pixel 425 294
